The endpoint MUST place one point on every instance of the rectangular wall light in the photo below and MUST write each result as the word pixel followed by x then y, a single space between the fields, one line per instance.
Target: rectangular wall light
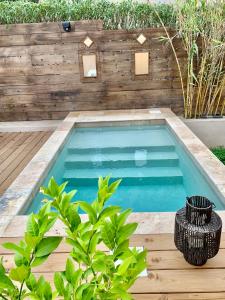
pixel 141 63
pixel 89 65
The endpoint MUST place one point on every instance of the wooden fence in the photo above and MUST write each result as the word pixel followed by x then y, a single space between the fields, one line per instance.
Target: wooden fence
pixel 41 73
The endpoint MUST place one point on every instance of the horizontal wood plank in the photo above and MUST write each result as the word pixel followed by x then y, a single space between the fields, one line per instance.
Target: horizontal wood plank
pixel 180 296
pixel 174 281
pixel 40 77
pixel 157 260
pixel 16 150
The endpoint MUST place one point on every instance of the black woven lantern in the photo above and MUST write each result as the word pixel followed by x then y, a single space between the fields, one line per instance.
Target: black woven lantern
pixel 197 230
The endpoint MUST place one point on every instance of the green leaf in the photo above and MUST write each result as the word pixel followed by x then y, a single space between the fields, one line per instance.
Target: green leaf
pixel 108 235
pixel 39 261
pixel 70 270
pixel 2 269
pixel 94 241
pixel 73 217
pixel 20 260
pixel 48 222
pixel 125 265
pixel 16 248
pixel 45 191
pixel 62 187
pixel 113 186
pixel 78 250
pixel 109 211
pixel 89 210
pixel 121 293
pixel 47 246
pixel 126 231
pixel 100 182
pixel 59 283
pixel 99 263
pixel 20 273
pixel 77 277
pixel 31 240
pixel 88 293
pixel 80 290
pixel 32 226
pixel 66 199
pixel 47 291
pixel 45 209
pixel 122 247
pixel 31 283
pixel 5 282
pixel 123 217
pixel 103 195
pixel 53 188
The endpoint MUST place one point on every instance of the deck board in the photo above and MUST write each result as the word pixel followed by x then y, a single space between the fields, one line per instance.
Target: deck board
pixel 169 276
pixel 16 150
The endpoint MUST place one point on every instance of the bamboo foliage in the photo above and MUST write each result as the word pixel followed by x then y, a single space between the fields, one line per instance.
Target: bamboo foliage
pixel 201 27
pixel 211 69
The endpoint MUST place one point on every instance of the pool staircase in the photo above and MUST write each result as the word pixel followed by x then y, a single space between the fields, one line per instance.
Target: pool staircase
pixel 149 163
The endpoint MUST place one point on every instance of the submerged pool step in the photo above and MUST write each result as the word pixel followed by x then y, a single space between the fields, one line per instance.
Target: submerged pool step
pixel 123 136
pixel 130 149
pixel 139 158
pixel 129 175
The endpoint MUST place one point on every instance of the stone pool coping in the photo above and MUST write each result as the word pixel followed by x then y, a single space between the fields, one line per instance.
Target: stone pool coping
pixel 18 196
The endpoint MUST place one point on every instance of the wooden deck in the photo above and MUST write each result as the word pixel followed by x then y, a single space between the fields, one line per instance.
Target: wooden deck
pixel 16 150
pixel 169 276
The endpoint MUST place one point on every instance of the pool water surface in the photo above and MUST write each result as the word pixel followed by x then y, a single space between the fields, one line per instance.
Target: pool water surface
pixel 157 174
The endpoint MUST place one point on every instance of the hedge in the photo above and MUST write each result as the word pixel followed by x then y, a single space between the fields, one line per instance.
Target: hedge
pixel 127 14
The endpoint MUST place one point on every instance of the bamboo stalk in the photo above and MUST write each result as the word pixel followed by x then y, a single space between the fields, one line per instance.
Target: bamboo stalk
pixel 177 62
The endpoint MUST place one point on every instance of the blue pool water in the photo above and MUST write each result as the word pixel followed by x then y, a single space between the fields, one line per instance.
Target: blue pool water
pixel 157 174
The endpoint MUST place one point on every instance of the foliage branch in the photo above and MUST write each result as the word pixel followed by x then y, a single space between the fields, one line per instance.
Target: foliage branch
pixel 101 265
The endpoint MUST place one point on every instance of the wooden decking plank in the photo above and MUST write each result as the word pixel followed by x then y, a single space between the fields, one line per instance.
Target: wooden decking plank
pixel 21 164
pixel 175 281
pixel 5 138
pixel 136 240
pixel 187 296
pixel 181 281
pixel 10 141
pixel 18 155
pixel 152 242
pixel 10 156
pixel 176 262
pixel 12 146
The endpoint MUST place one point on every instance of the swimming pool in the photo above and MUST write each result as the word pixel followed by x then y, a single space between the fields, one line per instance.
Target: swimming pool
pixel 157 173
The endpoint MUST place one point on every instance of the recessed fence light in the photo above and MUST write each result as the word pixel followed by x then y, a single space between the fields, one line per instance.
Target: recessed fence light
pixel 89 65
pixel 66 26
pixel 88 42
pixel 141 39
pixel 141 63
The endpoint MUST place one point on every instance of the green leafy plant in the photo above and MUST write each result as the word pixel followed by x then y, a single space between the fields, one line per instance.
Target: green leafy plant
pixel 126 14
pixel 32 251
pixel 220 153
pixel 201 31
pixel 101 264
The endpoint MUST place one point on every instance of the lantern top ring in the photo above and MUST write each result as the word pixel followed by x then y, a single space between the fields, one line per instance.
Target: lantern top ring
pixel 199 202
